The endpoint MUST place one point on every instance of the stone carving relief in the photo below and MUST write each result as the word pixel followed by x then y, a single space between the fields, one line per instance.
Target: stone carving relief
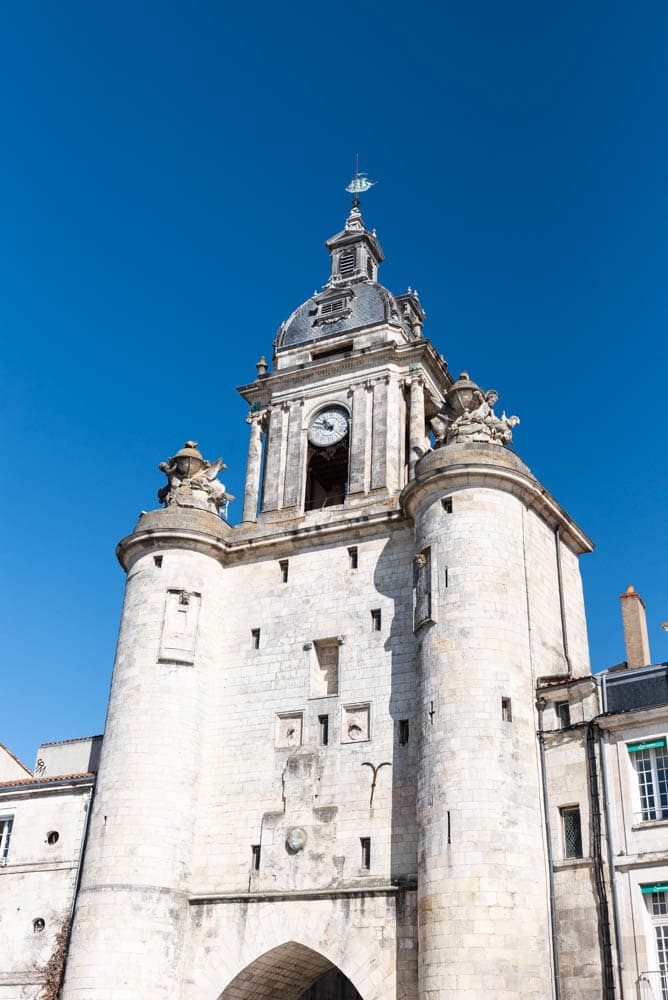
pixel 422 588
pixel 468 415
pixel 193 482
pixel 289 726
pixel 356 728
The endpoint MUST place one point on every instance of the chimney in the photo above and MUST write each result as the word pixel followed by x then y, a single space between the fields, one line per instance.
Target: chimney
pixel 635 629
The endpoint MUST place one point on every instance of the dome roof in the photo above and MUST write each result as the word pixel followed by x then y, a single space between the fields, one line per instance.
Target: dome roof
pixel 367 304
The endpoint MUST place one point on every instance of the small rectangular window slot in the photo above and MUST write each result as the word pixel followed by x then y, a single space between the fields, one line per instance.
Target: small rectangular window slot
pixel 572 831
pixel 449 831
pixel 323 724
pixel 255 857
pixel 365 843
pixel 403 732
pixel 506 710
pixel 447 504
pixel 283 563
pixel 562 708
pixel 446 576
pixel 353 557
pixel 376 620
pixel 255 638
pixel 158 561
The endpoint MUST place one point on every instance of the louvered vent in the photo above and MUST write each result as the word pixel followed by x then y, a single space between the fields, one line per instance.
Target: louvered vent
pixel 331 307
pixel 347 262
pixel 369 268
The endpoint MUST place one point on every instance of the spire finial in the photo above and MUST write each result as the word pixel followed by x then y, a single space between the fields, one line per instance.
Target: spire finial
pixel 359 183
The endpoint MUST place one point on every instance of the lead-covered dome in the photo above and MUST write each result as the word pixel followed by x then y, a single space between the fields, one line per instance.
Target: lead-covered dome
pixel 352 299
pixel 340 310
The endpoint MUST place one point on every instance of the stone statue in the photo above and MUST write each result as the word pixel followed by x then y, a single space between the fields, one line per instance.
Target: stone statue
pixel 193 482
pixel 468 415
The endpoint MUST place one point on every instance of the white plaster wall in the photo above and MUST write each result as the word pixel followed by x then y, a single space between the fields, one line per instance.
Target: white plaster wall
pixel 37 881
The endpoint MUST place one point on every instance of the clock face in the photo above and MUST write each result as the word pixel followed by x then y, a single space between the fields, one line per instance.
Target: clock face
pixel 329 427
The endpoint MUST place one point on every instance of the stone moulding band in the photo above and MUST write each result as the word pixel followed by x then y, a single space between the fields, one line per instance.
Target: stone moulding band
pixel 497 477
pixel 263 897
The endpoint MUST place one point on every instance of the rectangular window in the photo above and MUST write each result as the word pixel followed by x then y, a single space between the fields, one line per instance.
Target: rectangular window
pixel 403 732
pixel 661 934
pixel 255 638
pixel 6 824
pixel 323 724
pixel 255 857
pixel 352 556
pixel 563 710
pixel 365 843
pixel 447 504
pixel 652 770
pixel 284 570
pixel 572 830
pixel 376 620
pixel 506 710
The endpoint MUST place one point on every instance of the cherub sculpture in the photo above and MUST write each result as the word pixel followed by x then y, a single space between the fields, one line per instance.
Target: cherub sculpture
pixel 468 415
pixel 193 482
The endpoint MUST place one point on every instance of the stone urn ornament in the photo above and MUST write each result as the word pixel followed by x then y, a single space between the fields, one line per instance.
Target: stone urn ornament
pixel 467 415
pixel 193 482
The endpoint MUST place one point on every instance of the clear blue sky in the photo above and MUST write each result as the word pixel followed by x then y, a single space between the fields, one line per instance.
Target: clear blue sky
pixel 168 174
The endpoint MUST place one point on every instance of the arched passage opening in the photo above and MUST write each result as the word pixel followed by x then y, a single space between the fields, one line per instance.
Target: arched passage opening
pixel 290 972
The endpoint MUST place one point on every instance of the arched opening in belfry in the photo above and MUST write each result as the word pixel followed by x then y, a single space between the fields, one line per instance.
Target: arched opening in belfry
pixel 290 972
pixel 327 476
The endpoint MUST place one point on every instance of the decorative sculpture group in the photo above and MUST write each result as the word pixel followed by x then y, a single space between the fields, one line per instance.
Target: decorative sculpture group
pixel 193 482
pixel 467 415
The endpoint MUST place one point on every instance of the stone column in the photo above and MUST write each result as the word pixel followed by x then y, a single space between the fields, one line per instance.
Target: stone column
pixel 253 466
pixel 293 461
pixel 416 426
pixel 358 395
pixel 379 434
pixel 272 459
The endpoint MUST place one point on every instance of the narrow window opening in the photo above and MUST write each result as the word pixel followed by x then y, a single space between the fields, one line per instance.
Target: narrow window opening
pixel 353 557
pixel 572 830
pixel 563 711
pixel 255 857
pixel 376 620
pixel 284 570
pixel 449 831
pixel 255 638
pixel 506 710
pixel 323 723
pixel 447 504
pixel 52 837
pixel 158 561
pixel 446 576
pixel 369 268
pixel 403 732
pixel 365 843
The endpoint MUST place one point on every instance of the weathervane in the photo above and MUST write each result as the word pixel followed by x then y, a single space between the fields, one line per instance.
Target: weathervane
pixel 359 184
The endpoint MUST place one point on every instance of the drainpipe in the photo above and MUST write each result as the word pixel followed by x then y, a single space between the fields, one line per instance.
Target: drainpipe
pixel 540 704
pixel 602 743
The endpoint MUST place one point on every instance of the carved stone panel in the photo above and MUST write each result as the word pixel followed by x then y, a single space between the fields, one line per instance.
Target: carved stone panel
pixel 289 729
pixel 356 727
pixel 179 627
pixel 422 588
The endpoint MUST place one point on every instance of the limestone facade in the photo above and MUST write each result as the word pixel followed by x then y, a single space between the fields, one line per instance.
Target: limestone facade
pixel 337 761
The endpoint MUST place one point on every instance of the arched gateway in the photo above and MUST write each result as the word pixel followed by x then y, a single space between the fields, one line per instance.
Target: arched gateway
pixel 290 972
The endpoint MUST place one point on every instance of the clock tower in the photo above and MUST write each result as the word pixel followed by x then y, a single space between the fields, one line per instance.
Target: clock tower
pixel 344 413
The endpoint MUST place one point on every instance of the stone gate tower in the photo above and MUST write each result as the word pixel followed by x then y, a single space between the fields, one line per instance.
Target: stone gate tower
pixel 320 770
